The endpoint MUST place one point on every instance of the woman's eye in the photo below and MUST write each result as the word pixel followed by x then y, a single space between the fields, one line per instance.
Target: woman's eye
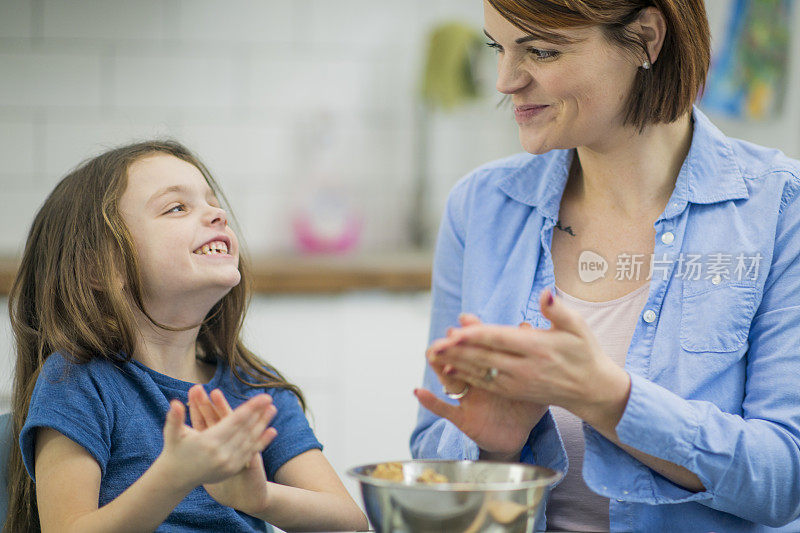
pixel 543 54
pixel 494 46
pixel 539 54
pixel 177 208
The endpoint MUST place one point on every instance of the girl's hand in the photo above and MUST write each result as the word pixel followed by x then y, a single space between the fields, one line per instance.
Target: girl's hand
pixel 562 366
pixel 194 457
pixel 246 490
pixel 500 426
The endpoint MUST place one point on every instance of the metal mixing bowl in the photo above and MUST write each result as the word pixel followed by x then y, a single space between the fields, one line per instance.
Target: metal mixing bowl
pixel 480 496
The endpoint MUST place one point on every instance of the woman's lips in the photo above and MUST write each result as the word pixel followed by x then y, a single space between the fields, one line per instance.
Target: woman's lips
pixel 525 113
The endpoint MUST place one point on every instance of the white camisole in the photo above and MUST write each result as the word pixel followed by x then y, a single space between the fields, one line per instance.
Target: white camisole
pixel 572 505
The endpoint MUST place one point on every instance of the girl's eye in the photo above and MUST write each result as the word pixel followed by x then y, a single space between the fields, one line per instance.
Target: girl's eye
pixel 177 208
pixel 543 54
pixel 494 46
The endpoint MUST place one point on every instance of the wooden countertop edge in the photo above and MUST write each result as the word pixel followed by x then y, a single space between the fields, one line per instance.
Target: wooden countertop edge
pixel 285 274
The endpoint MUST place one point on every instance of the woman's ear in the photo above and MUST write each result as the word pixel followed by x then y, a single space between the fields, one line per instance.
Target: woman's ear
pixel 651 27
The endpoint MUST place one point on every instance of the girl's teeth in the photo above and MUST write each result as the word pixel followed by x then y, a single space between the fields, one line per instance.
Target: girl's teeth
pixel 213 248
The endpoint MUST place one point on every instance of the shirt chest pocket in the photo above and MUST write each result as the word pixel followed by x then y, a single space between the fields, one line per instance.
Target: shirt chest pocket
pixel 716 318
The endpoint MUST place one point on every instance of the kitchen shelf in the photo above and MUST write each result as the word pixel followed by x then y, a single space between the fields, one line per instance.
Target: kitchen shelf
pixel 295 274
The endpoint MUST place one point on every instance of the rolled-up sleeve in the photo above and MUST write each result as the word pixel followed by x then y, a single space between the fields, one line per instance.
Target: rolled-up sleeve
pixel 749 464
pixel 435 437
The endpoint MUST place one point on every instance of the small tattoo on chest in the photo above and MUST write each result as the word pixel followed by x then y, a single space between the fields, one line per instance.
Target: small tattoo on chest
pixel 567 229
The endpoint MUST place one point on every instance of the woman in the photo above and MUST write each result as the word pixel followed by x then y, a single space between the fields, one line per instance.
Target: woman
pixel 664 370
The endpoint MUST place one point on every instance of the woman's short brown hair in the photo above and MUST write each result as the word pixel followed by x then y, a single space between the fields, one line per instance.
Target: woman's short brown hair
pixel 666 91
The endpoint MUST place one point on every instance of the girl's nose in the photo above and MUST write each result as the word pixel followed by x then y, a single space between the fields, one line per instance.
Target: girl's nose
pixel 510 77
pixel 218 216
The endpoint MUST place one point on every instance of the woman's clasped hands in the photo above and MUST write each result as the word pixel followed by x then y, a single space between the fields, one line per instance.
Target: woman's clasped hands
pixel 222 449
pixel 511 374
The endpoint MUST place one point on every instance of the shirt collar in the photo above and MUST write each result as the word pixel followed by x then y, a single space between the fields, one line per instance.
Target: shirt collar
pixel 710 173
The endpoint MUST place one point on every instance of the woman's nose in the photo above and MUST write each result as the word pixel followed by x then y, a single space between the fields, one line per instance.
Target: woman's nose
pixel 510 77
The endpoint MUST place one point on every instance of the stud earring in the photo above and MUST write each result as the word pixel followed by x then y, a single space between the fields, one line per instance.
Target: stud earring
pixel 646 65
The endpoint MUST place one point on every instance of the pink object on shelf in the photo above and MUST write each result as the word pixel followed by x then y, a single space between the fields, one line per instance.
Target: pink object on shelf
pixel 312 238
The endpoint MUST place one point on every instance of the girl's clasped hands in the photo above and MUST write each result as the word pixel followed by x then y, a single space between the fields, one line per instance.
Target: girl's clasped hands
pixel 222 449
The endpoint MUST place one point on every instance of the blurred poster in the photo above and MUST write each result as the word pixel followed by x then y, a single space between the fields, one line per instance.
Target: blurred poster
pixel 749 72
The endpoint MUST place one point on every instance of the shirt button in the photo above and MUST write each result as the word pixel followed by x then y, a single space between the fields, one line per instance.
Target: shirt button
pixel 649 316
pixel 668 237
pixel 716 279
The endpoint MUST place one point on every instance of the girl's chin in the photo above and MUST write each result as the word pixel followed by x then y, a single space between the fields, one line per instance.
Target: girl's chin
pixel 209 290
pixel 234 280
pixel 224 275
pixel 226 283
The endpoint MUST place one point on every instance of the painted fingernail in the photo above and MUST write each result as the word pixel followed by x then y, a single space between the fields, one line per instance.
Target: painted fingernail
pixel 549 298
pixel 449 370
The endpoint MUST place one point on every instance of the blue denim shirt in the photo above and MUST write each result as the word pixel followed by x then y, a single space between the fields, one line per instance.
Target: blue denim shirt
pixel 714 359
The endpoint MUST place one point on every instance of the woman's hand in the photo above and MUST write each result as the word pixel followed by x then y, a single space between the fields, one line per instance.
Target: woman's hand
pixel 562 366
pixel 210 455
pixel 500 426
pixel 246 490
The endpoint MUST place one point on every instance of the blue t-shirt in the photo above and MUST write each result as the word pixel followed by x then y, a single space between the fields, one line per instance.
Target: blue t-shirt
pixel 117 413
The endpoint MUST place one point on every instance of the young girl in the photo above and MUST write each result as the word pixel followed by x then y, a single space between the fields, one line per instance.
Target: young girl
pixel 128 304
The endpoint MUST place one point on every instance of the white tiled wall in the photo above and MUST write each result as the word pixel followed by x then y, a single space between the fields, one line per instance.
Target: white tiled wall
pixel 241 82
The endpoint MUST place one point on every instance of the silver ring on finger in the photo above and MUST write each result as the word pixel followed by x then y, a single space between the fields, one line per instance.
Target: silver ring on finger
pixel 458 395
pixel 490 374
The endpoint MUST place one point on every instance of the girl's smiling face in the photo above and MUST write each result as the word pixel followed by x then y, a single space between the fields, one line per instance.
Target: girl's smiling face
pixel 187 252
pixel 565 94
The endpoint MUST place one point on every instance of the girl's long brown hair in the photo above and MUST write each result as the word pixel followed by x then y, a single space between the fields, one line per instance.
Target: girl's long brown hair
pixel 66 297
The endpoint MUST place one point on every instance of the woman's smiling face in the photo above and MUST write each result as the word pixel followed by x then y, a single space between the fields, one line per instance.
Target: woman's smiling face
pixel 565 94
